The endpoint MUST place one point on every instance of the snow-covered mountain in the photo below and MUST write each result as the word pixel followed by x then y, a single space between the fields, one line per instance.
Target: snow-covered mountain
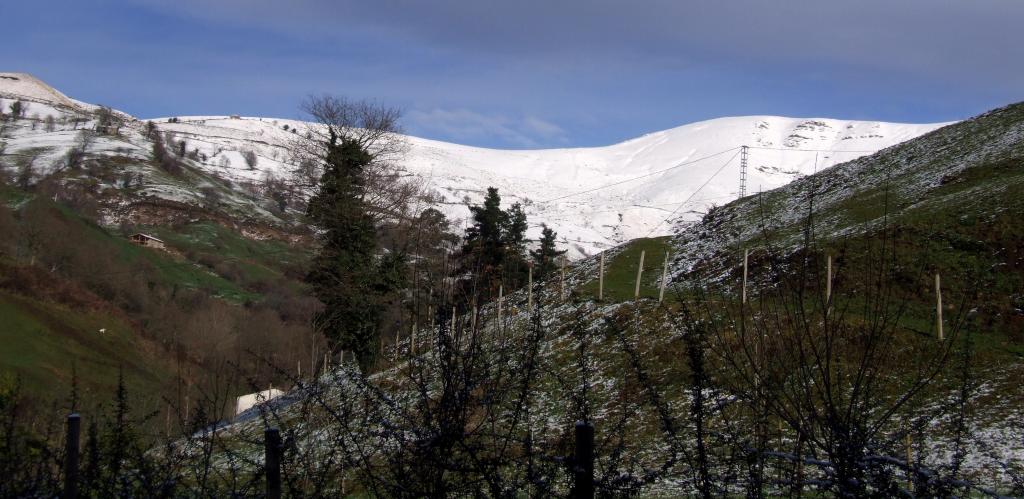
pixel 593 197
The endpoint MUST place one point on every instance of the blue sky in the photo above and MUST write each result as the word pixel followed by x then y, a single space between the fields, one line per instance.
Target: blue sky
pixel 529 73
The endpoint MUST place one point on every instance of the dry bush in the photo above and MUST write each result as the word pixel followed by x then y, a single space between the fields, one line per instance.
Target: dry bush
pixel 250 158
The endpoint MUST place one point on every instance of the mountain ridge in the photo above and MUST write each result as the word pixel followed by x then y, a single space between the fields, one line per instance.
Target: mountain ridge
pixel 634 186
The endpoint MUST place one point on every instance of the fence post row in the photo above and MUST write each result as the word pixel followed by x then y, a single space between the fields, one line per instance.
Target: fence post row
pixel 272 450
pixel 583 462
pixel 71 456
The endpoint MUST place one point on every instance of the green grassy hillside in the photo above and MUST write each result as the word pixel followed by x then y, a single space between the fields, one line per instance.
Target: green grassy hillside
pixel 214 294
pixel 45 344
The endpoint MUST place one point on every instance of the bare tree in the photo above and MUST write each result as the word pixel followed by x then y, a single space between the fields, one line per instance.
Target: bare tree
pixel 250 158
pixel 18 109
pixel 374 127
pixel 107 121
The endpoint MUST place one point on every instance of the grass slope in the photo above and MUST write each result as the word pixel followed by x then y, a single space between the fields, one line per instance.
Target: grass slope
pixel 44 343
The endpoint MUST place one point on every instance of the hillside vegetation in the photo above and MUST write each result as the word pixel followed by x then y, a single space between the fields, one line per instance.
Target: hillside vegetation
pixel 951 200
pixel 80 298
pixel 791 393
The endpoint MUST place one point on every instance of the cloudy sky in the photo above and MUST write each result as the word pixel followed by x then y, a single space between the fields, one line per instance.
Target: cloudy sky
pixel 529 73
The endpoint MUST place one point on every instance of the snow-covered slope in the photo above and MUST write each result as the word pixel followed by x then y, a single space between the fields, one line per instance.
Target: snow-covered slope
pixel 780 152
pixel 659 178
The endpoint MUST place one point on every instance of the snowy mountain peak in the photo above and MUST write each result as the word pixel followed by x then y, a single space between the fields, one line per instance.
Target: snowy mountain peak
pixel 594 197
pixel 27 87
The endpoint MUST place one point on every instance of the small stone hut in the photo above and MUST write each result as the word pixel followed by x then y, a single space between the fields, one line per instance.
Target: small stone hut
pixel 147 241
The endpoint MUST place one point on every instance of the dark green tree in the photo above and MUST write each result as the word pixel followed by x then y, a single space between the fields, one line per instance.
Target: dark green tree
pixel 545 257
pixel 515 231
pixel 484 242
pixel 494 246
pixel 349 276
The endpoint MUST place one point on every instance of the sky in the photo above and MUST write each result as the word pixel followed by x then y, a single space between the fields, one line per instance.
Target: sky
pixel 528 73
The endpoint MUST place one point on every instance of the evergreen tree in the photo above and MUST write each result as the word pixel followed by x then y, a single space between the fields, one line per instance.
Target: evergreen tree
pixel 484 244
pixel 515 231
pixel 494 246
pixel 545 257
pixel 347 276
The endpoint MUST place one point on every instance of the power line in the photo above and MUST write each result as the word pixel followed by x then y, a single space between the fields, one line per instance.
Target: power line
pixel 809 150
pixel 633 206
pixel 694 193
pixel 685 163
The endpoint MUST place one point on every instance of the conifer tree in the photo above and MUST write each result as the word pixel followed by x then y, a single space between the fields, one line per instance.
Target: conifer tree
pixel 347 276
pixel 484 243
pixel 494 245
pixel 515 231
pixel 545 257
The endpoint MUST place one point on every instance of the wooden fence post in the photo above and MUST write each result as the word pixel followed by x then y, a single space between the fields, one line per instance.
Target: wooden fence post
pixel 561 289
pixel 272 453
pixel 746 254
pixel 664 280
pixel 828 280
pixel 71 456
pixel 529 289
pixel 639 273
pixel 501 297
pixel 600 279
pixel 583 462
pixel 938 305
pixel 910 459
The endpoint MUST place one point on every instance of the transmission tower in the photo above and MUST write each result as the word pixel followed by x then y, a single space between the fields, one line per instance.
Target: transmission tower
pixel 743 171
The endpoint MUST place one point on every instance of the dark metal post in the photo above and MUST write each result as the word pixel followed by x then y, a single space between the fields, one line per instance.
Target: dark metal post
pixel 583 462
pixel 272 446
pixel 71 456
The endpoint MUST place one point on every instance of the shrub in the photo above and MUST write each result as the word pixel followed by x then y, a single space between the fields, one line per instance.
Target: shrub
pixel 250 158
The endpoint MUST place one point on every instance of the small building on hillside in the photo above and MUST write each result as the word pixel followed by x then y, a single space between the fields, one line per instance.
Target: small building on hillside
pixel 246 402
pixel 147 241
